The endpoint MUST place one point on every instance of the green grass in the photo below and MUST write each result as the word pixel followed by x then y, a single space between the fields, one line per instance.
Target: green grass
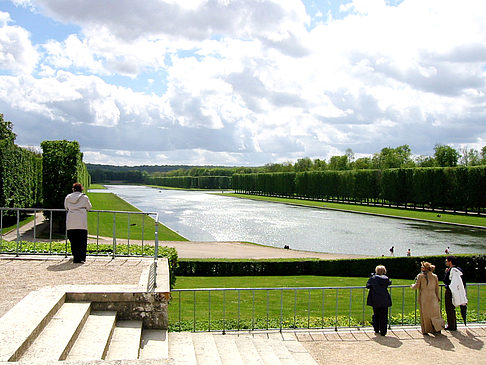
pixel 394 212
pixel 11 222
pixel 96 187
pixel 295 308
pixel 124 222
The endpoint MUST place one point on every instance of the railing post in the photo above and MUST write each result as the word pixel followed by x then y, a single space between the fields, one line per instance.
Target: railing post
pixel 128 234
pixel 281 309
pixel 114 236
pixel 156 251
pixel 18 233
pixel 35 225
pixel 98 234
pixel 336 319
pixel 65 239
pixel 50 232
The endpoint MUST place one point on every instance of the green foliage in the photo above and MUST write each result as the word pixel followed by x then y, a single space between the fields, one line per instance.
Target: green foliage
pixel 459 188
pixel 20 179
pixel 62 167
pixel 397 267
pixel 446 156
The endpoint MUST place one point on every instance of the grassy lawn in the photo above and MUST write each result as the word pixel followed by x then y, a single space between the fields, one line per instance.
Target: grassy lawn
pixel 294 308
pixel 395 212
pixel 124 223
pixel 96 187
pixel 11 223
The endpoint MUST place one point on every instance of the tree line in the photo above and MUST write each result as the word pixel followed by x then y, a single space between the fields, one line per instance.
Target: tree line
pixel 455 188
pixel 32 179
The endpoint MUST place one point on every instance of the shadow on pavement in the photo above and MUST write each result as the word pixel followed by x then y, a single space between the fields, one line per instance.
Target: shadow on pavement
pixel 388 341
pixel 469 341
pixel 64 266
pixel 440 341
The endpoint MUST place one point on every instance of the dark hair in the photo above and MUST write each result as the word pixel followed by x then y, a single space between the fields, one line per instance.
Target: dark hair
pixel 77 187
pixel 451 259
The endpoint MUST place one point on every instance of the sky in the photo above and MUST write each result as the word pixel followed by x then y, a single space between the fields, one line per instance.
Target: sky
pixel 243 82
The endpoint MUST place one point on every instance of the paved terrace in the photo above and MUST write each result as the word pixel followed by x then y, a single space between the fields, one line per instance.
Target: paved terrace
pixel 19 276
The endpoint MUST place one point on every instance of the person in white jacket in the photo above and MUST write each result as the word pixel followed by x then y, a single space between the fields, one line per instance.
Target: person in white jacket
pixel 77 205
pixel 455 294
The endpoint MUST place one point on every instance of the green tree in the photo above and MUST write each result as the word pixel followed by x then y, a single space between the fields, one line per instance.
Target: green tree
pixel 389 158
pixel 470 157
pixel 6 133
pixel 445 156
pixel 362 163
pixel 425 161
pixel 303 164
pixel 338 163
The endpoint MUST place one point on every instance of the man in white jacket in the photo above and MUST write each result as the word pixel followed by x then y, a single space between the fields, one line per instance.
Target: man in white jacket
pixel 77 205
pixel 455 294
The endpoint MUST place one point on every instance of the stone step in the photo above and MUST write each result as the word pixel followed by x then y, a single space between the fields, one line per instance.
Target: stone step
pixel 94 338
pixel 247 350
pixel 20 326
pixel 125 342
pixel 58 336
pixel 181 348
pixel 228 350
pixel 154 345
pixel 206 349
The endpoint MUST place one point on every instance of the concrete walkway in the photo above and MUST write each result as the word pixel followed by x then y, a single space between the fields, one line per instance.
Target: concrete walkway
pixel 402 345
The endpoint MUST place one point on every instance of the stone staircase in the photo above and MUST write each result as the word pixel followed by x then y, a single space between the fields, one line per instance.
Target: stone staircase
pixel 55 330
pixel 114 324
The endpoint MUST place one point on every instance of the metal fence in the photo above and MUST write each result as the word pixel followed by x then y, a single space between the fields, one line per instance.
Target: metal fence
pixel 118 234
pixel 235 309
pixel 125 228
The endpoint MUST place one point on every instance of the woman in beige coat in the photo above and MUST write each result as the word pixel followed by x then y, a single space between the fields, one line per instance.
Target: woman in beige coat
pixel 427 285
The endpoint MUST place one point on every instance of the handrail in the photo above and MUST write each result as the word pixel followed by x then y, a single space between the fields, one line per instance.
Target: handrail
pixel 17 250
pixel 235 309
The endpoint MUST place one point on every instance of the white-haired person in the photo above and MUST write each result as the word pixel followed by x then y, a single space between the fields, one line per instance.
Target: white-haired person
pixel 379 298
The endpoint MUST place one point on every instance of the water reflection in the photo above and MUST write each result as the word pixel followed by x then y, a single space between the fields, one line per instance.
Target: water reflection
pixel 201 216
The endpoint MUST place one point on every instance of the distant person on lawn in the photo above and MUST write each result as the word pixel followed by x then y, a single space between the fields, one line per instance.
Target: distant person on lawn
pixel 77 205
pixel 379 298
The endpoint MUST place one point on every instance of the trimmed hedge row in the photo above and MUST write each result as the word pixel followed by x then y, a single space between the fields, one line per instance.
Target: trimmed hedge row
pixel 191 182
pixel 62 166
pixel 20 172
pixel 457 188
pixel 397 267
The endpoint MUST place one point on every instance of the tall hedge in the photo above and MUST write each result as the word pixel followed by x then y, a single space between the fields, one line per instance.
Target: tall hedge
pixel 20 177
pixel 456 188
pixel 62 166
pixel 397 267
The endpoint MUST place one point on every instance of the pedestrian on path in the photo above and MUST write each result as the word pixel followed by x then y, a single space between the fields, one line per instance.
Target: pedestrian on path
pixel 77 205
pixel 379 298
pixel 455 294
pixel 427 285
pixel 392 251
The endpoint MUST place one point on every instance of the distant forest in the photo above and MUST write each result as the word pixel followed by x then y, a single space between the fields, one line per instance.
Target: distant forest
pixel 399 157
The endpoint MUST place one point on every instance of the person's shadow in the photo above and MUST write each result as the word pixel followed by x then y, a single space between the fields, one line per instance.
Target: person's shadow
pixel 63 266
pixel 440 341
pixel 469 340
pixel 388 341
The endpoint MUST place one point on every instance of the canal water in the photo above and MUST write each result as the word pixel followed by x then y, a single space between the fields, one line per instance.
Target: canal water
pixel 202 216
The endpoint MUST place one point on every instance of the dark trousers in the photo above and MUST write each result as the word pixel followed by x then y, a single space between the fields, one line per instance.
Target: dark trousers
pixel 380 320
pixel 79 242
pixel 450 310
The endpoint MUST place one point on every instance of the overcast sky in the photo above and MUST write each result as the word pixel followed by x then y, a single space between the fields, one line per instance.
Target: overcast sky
pixel 243 82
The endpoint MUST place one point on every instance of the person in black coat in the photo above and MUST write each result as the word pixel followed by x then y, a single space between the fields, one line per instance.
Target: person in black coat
pixel 379 298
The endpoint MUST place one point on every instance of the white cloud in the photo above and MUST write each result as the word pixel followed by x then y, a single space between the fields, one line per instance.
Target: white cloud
pixel 17 54
pixel 252 80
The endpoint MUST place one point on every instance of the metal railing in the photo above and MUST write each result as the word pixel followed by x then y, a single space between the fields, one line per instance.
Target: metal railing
pixel 34 240
pixel 235 309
